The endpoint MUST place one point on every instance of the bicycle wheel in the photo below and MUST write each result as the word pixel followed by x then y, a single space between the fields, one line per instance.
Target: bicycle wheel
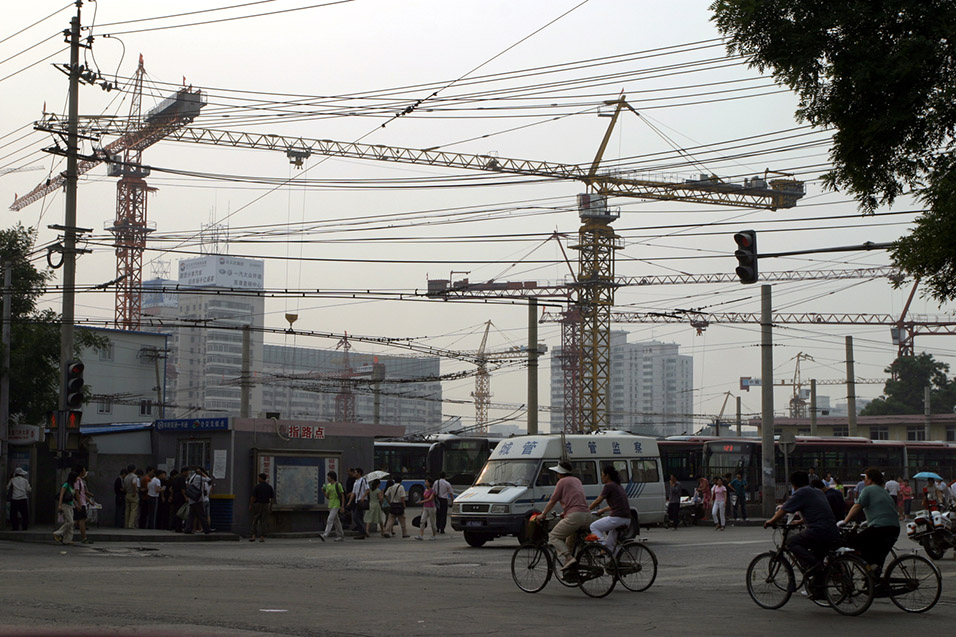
pixel 595 570
pixel 914 583
pixel 770 580
pixel 849 585
pixel 636 566
pixel 564 578
pixel 531 567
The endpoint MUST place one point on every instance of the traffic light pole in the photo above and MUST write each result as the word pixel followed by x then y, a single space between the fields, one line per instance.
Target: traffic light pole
pixel 69 231
pixel 768 478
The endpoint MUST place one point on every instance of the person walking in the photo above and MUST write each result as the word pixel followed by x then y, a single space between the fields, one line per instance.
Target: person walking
pixel 719 495
pixel 444 494
pixel 375 516
pixel 358 499
pixel 396 495
pixel 82 499
pixel 706 495
pixel 428 512
pixel 893 488
pixel 131 487
pixel 260 505
pixel 144 479
pixel 66 502
pixel 335 498
pixel 18 490
pixel 119 499
pixel 673 502
pixel 739 488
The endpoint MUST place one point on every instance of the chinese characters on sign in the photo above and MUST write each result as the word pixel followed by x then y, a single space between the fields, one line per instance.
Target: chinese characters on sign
pixel 506 448
pixel 306 432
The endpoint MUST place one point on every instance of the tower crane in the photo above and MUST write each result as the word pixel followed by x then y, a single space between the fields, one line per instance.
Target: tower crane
pixel 597 242
pixel 125 154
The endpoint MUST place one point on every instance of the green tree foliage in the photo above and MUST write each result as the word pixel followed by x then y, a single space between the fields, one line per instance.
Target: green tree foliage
pixel 882 75
pixel 34 334
pixel 903 392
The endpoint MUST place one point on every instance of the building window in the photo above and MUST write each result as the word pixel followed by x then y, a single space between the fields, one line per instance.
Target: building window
pixel 916 432
pixel 145 408
pixel 106 352
pixel 194 452
pixel 879 433
pixel 841 430
pixel 950 433
pixel 104 407
pixel 803 432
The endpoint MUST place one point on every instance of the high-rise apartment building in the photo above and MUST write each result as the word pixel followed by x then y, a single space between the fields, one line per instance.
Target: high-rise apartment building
pixel 650 390
pixel 205 357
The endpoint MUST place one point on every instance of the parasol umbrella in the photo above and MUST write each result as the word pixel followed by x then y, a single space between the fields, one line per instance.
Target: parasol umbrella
pixel 928 475
pixel 376 475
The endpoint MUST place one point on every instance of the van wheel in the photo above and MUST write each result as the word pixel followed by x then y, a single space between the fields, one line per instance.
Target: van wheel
pixel 475 539
pixel 415 495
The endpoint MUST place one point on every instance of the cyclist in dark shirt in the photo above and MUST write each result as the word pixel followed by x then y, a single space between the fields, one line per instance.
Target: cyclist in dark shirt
pixel 811 544
pixel 834 499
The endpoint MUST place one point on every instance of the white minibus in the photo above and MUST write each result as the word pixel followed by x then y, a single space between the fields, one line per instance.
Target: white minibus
pixel 516 481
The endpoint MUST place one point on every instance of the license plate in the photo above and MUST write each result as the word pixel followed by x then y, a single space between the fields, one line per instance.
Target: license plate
pixel 473 523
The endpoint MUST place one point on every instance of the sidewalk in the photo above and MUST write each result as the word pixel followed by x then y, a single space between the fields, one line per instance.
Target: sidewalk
pixel 44 534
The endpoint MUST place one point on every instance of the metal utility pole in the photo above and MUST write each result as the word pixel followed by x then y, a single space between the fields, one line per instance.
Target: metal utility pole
pixel 5 383
pixel 766 395
pixel 532 366
pixel 69 224
pixel 850 388
pixel 813 406
pixel 738 416
pixel 244 380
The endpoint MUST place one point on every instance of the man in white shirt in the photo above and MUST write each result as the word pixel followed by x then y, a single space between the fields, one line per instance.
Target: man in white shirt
pixel 445 495
pixel 893 488
pixel 359 497
pixel 154 490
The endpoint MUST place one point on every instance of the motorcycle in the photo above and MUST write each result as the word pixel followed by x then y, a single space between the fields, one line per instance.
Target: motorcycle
pixel 934 530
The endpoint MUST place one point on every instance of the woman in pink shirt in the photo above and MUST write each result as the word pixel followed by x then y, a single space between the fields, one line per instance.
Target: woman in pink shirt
pixel 569 492
pixel 719 494
pixel 906 499
pixel 428 511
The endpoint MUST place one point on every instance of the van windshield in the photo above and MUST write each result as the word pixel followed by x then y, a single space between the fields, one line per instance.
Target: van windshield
pixel 517 473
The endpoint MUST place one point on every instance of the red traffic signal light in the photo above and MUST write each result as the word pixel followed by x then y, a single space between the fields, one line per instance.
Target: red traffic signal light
pixel 74 384
pixel 746 254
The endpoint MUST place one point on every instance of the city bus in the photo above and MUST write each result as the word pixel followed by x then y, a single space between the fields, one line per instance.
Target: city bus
pixel 683 457
pixel 845 458
pixel 460 457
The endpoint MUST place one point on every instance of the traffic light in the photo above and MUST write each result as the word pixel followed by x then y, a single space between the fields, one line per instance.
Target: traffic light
pixel 746 254
pixel 74 384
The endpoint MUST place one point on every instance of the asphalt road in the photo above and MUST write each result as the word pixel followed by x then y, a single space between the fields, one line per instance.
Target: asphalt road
pixel 405 587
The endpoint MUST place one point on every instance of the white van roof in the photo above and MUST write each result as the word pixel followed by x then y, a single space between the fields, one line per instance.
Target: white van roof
pixel 579 446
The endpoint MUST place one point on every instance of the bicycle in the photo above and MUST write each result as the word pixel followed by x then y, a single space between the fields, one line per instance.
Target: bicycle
pixel 847 581
pixel 534 562
pixel 912 582
pixel 635 565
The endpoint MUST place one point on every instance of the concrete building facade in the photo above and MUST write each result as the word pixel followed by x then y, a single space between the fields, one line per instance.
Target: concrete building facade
pixel 650 391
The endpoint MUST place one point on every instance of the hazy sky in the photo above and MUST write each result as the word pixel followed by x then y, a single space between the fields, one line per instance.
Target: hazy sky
pixel 513 78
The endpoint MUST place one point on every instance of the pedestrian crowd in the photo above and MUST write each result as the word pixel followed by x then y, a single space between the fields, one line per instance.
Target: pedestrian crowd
pixel 154 499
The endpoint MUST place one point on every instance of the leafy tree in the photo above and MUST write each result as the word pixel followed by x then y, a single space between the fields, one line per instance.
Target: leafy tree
pixel 904 391
pixel 34 334
pixel 882 75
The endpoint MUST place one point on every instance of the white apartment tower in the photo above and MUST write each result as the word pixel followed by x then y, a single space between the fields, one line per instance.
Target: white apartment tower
pixel 650 392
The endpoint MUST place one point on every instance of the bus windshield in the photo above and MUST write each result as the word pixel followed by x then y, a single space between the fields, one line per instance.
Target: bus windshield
pixel 464 459
pixel 518 473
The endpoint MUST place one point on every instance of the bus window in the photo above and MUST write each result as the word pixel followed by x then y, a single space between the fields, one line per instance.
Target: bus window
pixel 645 470
pixel 586 471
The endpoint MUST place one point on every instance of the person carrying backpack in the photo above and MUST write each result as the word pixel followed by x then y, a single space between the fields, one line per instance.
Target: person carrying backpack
pixel 195 488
